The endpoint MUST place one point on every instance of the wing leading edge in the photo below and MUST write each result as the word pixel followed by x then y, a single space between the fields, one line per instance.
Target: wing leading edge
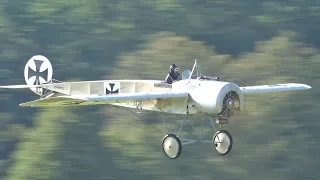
pixel 82 100
pixel 274 88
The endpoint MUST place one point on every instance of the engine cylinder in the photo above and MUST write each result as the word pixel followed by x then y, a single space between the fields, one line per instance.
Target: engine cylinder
pixel 209 96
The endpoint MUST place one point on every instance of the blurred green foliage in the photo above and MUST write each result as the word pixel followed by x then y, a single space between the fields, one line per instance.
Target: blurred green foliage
pixel 257 42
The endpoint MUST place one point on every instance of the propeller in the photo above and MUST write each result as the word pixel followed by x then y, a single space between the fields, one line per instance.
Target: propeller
pixel 230 102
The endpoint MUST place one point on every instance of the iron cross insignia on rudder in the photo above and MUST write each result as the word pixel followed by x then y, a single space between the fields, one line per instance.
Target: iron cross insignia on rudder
pixel 38 70
pixel 37 73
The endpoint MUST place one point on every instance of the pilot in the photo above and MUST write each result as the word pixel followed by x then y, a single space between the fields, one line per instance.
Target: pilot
pixel 173 74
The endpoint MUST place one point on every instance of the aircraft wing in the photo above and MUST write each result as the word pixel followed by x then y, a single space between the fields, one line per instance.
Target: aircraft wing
pixel 274 88
pixel 82 100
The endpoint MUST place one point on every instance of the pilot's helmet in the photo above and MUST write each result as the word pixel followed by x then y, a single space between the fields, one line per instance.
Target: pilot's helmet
pixel 174 69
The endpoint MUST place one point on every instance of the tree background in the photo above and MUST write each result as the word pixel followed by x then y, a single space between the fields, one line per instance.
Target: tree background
pixel 257 42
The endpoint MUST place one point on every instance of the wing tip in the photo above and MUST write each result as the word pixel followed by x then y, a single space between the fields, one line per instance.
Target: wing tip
pixel 307 86
pixel 304 86
pixel 26 104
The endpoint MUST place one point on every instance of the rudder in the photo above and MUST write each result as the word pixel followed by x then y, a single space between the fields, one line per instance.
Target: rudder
pixel 38 70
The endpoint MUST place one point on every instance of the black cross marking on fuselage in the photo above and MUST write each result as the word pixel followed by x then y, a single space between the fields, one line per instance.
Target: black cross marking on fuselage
pixel 37 73
pixel 111 91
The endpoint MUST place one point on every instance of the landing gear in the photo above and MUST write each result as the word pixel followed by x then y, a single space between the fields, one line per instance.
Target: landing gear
pixel 222 140
pixel 171 146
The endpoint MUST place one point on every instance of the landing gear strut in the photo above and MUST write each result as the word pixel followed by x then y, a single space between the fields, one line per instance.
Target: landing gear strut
pixel 222 141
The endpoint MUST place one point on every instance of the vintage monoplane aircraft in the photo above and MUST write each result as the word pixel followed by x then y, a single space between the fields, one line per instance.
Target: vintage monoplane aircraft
pixel 193 95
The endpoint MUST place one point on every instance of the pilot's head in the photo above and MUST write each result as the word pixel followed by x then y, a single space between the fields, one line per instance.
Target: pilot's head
pixel 174 69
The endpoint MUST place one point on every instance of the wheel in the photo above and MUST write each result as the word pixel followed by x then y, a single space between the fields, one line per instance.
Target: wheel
pixel 171 146
pixel 222 142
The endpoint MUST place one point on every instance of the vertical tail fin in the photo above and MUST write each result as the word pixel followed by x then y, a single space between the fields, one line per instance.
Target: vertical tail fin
pixel 38 70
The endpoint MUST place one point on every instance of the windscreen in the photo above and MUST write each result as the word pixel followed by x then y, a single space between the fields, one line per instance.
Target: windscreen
pixel 186 74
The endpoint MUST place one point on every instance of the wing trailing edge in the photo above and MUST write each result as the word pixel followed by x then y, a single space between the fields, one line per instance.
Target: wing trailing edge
pixel 274 88
pixel 83 100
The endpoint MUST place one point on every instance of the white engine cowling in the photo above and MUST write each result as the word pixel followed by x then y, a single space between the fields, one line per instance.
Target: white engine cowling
pixel 214 96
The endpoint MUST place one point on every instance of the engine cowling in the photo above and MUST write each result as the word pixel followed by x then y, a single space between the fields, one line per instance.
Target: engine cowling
pixel 217 97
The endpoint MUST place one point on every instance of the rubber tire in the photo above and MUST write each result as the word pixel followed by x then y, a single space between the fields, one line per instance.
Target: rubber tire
pixel 179 145
pixel 230 138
